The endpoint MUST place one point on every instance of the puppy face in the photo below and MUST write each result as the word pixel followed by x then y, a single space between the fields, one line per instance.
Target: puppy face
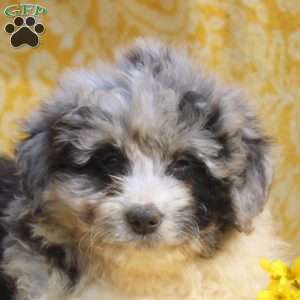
pixel 145 153
pixel 141 186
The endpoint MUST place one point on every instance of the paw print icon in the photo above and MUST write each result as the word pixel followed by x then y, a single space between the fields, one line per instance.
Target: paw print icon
pixel 24 31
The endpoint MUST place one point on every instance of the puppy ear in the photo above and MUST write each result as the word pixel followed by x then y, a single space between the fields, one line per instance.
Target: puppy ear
pixel 244 151
pixel 246 154
pixel 250 195
pixel 33 154
pixel 32 160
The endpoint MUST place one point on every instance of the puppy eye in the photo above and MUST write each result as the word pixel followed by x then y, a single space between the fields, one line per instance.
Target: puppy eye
pixel 182 164
pixel 111 160
pixel 108 159
pixel 181 168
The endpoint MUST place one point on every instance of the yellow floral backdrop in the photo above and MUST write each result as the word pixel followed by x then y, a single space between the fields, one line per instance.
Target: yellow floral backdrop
pixel 253 44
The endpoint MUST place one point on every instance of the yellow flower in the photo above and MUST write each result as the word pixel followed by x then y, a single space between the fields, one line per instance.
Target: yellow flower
pixel 296 268
pixel 266 295
pixel 284 283
pixel 275 268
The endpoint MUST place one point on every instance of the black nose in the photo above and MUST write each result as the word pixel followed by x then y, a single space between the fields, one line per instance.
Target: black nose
pixel 144 220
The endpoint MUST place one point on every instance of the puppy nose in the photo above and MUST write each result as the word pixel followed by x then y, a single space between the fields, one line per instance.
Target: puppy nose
pixel 144 220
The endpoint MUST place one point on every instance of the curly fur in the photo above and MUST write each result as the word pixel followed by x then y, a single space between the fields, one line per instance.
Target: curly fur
pixel 149 131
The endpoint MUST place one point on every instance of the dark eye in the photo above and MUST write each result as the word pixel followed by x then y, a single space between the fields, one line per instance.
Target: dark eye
pixel 109 159
pixel 182 164
pixel 182 167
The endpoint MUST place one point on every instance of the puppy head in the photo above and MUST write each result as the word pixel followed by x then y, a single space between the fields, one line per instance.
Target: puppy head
pixel 145 153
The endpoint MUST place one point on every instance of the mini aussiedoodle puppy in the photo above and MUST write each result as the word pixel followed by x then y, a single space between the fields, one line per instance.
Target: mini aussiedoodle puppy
pixel 141 180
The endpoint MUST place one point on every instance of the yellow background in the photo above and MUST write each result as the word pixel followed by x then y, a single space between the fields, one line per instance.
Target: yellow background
pixel 253 44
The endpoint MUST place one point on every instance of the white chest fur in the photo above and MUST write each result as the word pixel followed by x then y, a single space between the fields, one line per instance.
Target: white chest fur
pixel 233 274
pixel 239 279
pixel 195 284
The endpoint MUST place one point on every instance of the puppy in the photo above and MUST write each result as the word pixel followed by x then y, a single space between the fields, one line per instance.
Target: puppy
pixel 141 180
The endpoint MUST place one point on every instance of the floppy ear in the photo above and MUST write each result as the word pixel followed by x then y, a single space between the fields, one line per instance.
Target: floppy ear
pixel 248 156
pixel 244 155
pixel 32 160
pixel 34 152
pixel 251 194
